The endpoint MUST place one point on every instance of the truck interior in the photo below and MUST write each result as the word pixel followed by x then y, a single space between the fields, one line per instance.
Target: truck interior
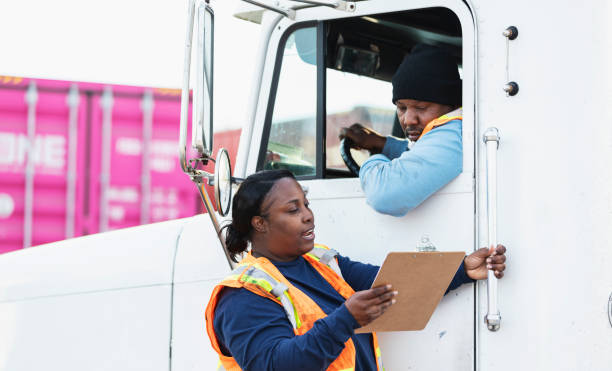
pixel 349 82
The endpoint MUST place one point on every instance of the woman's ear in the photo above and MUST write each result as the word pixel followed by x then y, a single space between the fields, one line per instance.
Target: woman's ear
pixel 259 224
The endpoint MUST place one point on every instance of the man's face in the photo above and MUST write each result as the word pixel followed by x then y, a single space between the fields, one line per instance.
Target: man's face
pixel 414 115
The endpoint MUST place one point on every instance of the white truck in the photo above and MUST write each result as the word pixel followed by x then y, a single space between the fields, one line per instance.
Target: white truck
pixel 537 134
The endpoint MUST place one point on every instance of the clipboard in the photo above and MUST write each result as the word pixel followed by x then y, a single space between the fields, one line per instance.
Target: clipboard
pixel 421 278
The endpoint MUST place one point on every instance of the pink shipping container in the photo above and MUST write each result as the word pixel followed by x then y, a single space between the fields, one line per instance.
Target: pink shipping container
pixel 127 191
pixel 87 172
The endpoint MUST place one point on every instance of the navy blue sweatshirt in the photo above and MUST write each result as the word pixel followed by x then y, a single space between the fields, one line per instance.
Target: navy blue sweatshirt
pixel 256 332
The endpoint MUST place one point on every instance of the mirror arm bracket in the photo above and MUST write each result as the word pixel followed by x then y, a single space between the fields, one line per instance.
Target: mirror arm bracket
pixel 348 6
pixel 289 13
pixel 199 176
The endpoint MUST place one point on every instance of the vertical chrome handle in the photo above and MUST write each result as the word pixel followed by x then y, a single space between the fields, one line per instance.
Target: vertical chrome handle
pixel 491 140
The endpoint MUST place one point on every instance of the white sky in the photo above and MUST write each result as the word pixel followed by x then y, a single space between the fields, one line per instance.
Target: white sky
pixel 141 43
pixel 129 42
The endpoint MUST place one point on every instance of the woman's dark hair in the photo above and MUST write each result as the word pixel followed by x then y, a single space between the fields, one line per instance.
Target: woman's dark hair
pixel 247 204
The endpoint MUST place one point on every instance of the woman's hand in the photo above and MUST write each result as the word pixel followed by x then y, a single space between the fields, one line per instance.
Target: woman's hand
pixel 367 305
pixel 481 260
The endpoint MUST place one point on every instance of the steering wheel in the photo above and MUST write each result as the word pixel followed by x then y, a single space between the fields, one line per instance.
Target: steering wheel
pixel 345 151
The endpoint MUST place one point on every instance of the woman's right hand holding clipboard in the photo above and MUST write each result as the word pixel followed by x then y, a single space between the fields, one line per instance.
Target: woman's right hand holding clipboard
pixel 367 305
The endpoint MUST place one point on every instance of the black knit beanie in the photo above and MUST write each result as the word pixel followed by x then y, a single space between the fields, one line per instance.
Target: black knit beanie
pixel 428 74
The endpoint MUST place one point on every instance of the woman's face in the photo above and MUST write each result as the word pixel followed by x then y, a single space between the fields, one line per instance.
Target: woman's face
pixel 285 230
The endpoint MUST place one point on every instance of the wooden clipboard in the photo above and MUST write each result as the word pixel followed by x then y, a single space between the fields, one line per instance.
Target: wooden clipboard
pixel 421 279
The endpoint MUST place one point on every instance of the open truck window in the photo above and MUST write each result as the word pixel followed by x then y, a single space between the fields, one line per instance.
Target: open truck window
pixel 292 129
pixel 335 73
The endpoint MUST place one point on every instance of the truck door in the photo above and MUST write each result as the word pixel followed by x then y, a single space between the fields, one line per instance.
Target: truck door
pixel 329 69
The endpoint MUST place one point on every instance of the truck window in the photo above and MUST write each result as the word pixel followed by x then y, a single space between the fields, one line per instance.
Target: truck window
pixel 351 98
pixel 332 74
pixel 292 133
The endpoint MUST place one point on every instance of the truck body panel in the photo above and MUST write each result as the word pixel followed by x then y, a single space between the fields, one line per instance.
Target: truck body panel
pixel 199 266
pixel 93 302
pixel 554 185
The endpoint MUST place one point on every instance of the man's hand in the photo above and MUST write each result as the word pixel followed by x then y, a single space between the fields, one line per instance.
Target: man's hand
pixel 272 157
pixel 481 260
pixel 364 138
pixel 367 305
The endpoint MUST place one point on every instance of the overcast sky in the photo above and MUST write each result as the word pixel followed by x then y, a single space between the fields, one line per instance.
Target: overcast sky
pixel 128 42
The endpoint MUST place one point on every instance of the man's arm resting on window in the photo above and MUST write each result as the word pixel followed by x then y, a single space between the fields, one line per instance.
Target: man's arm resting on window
pixel 397 186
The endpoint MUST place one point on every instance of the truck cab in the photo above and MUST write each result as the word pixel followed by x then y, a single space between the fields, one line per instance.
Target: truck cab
pixel 328 69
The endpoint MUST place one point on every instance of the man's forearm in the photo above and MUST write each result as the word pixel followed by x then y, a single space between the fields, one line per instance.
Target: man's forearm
pixel 397 186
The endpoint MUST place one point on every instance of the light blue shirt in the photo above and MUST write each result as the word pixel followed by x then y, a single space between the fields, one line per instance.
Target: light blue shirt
pixel 398 180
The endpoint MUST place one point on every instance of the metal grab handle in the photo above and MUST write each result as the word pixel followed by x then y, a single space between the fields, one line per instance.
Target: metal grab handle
pixel 491 140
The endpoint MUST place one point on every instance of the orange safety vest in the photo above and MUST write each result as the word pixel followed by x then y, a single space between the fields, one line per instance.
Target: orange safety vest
pixel 261 277
pixel 454 115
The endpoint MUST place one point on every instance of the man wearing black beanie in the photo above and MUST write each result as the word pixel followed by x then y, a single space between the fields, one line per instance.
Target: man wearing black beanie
pixel 427 96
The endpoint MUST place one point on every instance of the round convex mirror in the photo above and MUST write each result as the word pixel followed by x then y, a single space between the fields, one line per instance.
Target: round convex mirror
pixel 223 182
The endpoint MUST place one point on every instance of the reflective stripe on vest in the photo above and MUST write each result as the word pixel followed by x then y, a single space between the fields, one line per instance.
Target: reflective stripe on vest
pixel 454 115
pixel 259 277
pixel 251 275
pixel 256 275
pixel 378 355
pixel 326 256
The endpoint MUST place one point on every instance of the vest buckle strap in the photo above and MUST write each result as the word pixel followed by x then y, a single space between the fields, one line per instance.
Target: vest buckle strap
pixel 279 289
pixel 328 256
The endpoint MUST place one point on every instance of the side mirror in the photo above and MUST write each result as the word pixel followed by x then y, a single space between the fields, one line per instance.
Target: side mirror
pixel 201 14
pixel 223 182
pixel 202 116
pixel 202 123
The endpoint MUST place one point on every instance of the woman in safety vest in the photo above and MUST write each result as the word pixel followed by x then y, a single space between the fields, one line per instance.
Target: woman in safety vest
pixel 291 304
